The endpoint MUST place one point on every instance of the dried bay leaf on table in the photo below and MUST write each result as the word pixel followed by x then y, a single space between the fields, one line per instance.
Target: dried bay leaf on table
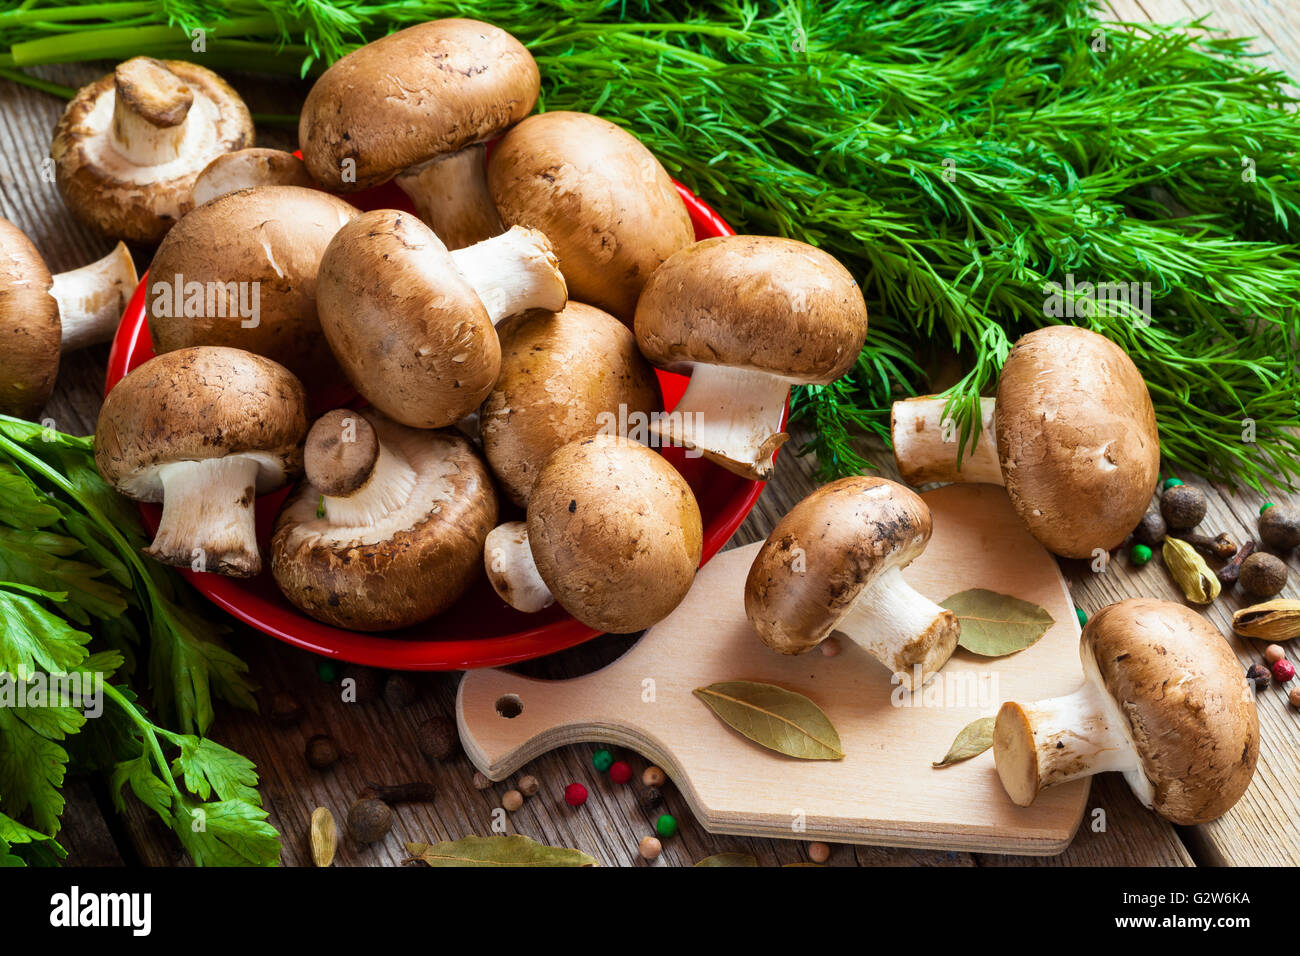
pixel 975 738
pixel 995 625
pixel 513 850
pixel 729 859
pixel 775 718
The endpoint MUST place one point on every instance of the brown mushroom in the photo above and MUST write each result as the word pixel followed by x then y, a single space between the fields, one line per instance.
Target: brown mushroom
pixel 43 315
pixel 564 375
pixel 747 317
pixel 613 534
pixel 203 430
pixel 419 104
pixel 1072 435
pixel 388 527
pixel 247 168
pixel 130 145
pixel 609 208
pixel 835 562
pixel 412 324
pixel 1164 702
pixel 241 270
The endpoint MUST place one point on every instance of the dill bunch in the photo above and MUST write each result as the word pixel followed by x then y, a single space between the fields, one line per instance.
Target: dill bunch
pixel 956 158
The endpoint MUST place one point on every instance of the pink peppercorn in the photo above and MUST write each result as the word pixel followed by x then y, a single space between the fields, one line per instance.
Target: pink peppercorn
pixel 1283 671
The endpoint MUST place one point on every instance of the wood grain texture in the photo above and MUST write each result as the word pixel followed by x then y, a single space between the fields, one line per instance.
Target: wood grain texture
pixel 379 742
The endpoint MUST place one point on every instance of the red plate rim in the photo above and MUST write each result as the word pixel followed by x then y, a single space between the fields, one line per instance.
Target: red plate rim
pixel 293 627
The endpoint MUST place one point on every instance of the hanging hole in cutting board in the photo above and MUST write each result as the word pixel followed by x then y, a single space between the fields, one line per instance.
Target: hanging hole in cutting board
pixel 510 706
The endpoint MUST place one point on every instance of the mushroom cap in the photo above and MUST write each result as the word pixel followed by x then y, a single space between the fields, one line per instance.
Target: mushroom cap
pixel 272 237
pixel 754 302
pixel 334 465
pixel 30 329
pixel 1183 693
pixel 246 168
pixel 609 208
pixel 1077 439
pixel 412 96
pixel 200 403
pixel 140 203
pixel 615 532
pixel 408 330
pixel 825 552
pixel 414 564
pixel 559 372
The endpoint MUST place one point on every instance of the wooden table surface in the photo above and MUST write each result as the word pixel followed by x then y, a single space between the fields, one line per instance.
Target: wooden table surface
pixel 379 743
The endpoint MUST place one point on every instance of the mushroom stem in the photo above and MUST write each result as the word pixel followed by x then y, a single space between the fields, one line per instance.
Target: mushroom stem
pixel 732 415
pixel 513 272
pixel 91 299
pixel 451 195
pixel 150 106
pixel 926 443
pixel 387 488
pixel 1054 741
pixel 902 628
pixel 508 557
pixel 207 517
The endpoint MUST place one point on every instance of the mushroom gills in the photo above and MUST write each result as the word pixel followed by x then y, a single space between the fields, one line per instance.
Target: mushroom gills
pixel 926 443
pixel 451 196
pixel 731 415
pixel 901 628
pixel 508 557
pixel 207 518
pixel 91 299
pixel 512 273
pixel 387 489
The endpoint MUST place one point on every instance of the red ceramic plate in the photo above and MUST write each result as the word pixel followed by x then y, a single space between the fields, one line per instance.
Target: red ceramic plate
pixel 480 630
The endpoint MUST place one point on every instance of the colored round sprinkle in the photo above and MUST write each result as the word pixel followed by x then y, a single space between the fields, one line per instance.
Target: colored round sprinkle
pixel 666 826
pixel 1265 506
pixel 620 772
pixel 327 671
pixel 1171 483
pixel 1140 554
pixel 602 760
pixel 575 794
pixel 1081 615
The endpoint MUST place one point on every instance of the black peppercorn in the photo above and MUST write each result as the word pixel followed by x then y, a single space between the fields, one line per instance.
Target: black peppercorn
pixel 1183 507
pixel 1259 674
pixel 437 738
pixel 322 751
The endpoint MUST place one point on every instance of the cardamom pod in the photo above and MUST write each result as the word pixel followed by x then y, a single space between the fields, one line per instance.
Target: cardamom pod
pixel 1277 620
pixel 1189 569
pixel 324 837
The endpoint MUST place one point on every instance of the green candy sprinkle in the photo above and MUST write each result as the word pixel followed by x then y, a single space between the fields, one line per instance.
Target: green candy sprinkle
pixel 1083 618
pixel 1171 483
pixel 602 760
pixel 1265 506
pixel 666 826
pixel 1140 554
pixel 327 671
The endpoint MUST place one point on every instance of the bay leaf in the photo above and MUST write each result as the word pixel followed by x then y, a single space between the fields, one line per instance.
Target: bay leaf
pixel 995 625
pixel 729 859
pixel 513 850
pixel 975 738
pixel 775 718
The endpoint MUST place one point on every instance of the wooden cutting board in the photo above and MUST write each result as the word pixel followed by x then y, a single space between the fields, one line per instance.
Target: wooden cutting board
pixel 884 791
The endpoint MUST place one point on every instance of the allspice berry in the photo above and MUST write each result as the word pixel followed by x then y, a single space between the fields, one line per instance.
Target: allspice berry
pixel 650 848
pixel 1183 507
pixel 1294 696
pixel 654 777
pixel 322 751
pixel 481 782
pixel 528 785
pixel 1262 575
pixel 512 800
pixel 285 709
pixel 1279 527
pixel 1274 653
pixel 1151 530
pixel 819 852
pixel 399 691
pixel 361 685
pixel 437 738
pixel 369 820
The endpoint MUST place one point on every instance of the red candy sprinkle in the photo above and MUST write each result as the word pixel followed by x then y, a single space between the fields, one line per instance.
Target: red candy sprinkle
pixel 620 772
pixel 1283 671
pixel 575 794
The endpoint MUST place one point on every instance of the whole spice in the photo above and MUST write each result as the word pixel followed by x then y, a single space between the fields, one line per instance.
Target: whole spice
pixel 322 751
pixel 481 782
pixel 1277 620
pixel 831 647
pixel 995 625
pixel 1190 571
pixel 1183 507
pixel 399 691
pixel 324 837
pixel 1263 575
pixel 1151 530
pixel 652 776
pixel 651 798
pixel 1229 573
pixel 1283 671
pixel 415 792
pixel 437 738
pixel 512 800
pixel 1259 675
pixel 361 685
pixel 1279 527
pixel 513 850
pixel 1274 653
pixel 1294 696
pixel 285 709
pixel 529 785
pixel 650 848
pixel 819 852
pixel 369 820
pixel 1220 546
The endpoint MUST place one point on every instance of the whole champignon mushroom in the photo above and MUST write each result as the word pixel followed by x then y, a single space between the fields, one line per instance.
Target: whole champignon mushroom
pixel 419 104
pixel 388 528
pixel 564 375
pixel 1072 435
pixel 247 169
pixel 412 324
pixel 203 430
pixel 241 271
pixel 130 145
pixel 609 208
pixel 1164 702
pixel 43 315
pixel 747 317
pixel 834 563
pixel 613 534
